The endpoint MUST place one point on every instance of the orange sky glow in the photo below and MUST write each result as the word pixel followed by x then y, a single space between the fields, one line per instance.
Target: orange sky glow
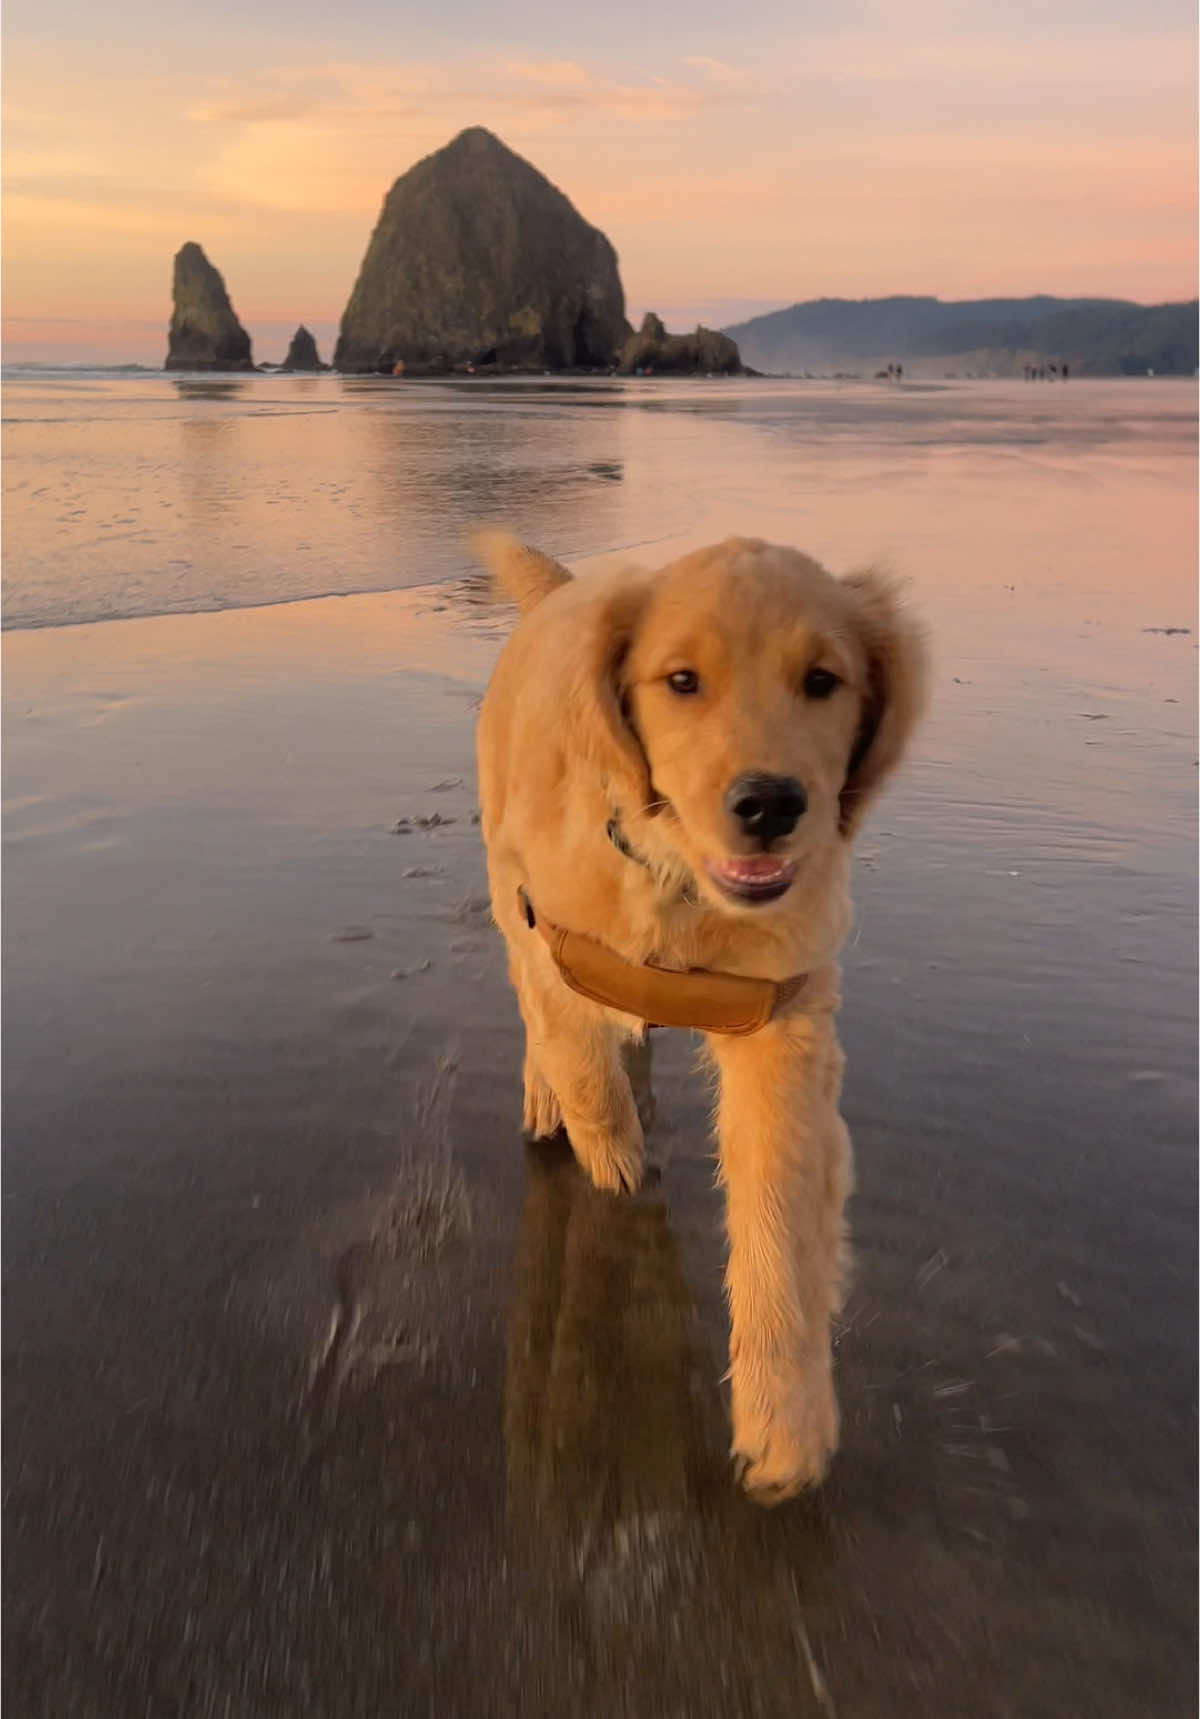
pixel 906 155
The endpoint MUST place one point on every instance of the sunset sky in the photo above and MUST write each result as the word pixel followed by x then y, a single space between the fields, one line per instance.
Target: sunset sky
pixel 740 158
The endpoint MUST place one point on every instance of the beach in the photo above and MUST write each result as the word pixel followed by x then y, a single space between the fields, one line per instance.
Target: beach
pixel 327 1394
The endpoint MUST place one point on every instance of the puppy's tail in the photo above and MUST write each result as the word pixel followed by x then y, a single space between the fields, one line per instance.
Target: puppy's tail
pixel 524 575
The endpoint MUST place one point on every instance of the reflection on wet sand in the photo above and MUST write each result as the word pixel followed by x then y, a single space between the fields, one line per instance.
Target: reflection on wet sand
pixel 606 1388
pixel 621 1507
pixel 201 388
pixel 489 467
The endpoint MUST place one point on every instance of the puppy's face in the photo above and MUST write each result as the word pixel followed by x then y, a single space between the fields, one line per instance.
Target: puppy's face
pixel 756 687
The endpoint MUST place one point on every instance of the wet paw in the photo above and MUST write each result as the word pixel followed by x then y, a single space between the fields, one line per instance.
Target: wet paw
pixel 780 1450
pixel 614 1166
pixel 542 1114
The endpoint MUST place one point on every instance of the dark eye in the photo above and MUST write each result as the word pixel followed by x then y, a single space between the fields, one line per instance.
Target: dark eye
pixel 684 681
pixel 819 683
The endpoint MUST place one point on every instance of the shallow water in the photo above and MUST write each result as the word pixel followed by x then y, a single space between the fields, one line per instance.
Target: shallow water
pixel 255 1414
pixel 156 494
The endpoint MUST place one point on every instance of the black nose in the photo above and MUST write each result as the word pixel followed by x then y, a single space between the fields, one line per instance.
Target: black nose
pixel 767 806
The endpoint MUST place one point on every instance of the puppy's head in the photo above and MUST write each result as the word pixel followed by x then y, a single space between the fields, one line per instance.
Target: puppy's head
pixel 752 705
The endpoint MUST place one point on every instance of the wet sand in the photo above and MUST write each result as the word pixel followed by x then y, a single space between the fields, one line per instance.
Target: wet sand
pixel 326 1395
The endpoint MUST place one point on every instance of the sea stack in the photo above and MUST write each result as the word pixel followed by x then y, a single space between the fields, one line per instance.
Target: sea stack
pixel 302 354
pixel 703 353
pixel 478 262
pixel 205 334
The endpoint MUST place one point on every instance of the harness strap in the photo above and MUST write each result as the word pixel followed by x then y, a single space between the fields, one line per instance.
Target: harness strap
pixel 699 999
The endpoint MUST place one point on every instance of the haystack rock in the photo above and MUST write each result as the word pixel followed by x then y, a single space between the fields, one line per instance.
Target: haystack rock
pixel 705 352
pixel 477 260
pixel 302 354
pixel 205 334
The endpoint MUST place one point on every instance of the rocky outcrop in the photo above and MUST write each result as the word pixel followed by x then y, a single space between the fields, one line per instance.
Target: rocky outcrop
pixel 205 334
pixel 302 354
pixel 478 261
pixel 704 353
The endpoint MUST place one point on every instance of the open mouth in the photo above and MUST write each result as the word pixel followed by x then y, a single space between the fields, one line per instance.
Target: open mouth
pixel 762 877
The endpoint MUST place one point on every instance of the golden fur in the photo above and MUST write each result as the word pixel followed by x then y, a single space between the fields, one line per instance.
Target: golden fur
pixel 580 724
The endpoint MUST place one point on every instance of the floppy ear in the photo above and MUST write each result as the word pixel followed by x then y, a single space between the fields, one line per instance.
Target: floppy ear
pixel 598 631
pixel 897 690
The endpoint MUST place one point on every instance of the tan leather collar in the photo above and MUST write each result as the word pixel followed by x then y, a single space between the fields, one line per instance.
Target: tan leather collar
pixel 701 1000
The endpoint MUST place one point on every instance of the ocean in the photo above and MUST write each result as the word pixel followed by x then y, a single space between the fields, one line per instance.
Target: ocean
pixel 152 494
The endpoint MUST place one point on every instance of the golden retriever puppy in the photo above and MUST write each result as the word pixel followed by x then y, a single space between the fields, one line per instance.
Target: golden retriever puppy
pixel 673 766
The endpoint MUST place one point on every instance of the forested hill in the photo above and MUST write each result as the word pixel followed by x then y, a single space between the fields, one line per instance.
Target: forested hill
pixel 1096 337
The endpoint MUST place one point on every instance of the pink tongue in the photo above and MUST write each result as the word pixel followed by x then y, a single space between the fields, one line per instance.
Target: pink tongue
pixel 761 866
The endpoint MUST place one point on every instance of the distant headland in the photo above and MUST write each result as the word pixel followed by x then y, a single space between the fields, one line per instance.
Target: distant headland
pixel 974 337
pixel 478 265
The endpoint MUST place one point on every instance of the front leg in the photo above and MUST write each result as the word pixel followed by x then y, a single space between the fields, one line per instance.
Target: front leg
pixel 574 1073
pixel 579 1053
pixel 785 1165
pixel 574 1078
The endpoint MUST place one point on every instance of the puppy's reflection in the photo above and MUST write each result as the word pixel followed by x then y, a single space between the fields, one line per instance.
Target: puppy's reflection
pixel 628 1532
pixel 611 1415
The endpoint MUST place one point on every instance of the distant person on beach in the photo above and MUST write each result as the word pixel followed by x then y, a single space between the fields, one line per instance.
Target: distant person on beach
pixel 1065 371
